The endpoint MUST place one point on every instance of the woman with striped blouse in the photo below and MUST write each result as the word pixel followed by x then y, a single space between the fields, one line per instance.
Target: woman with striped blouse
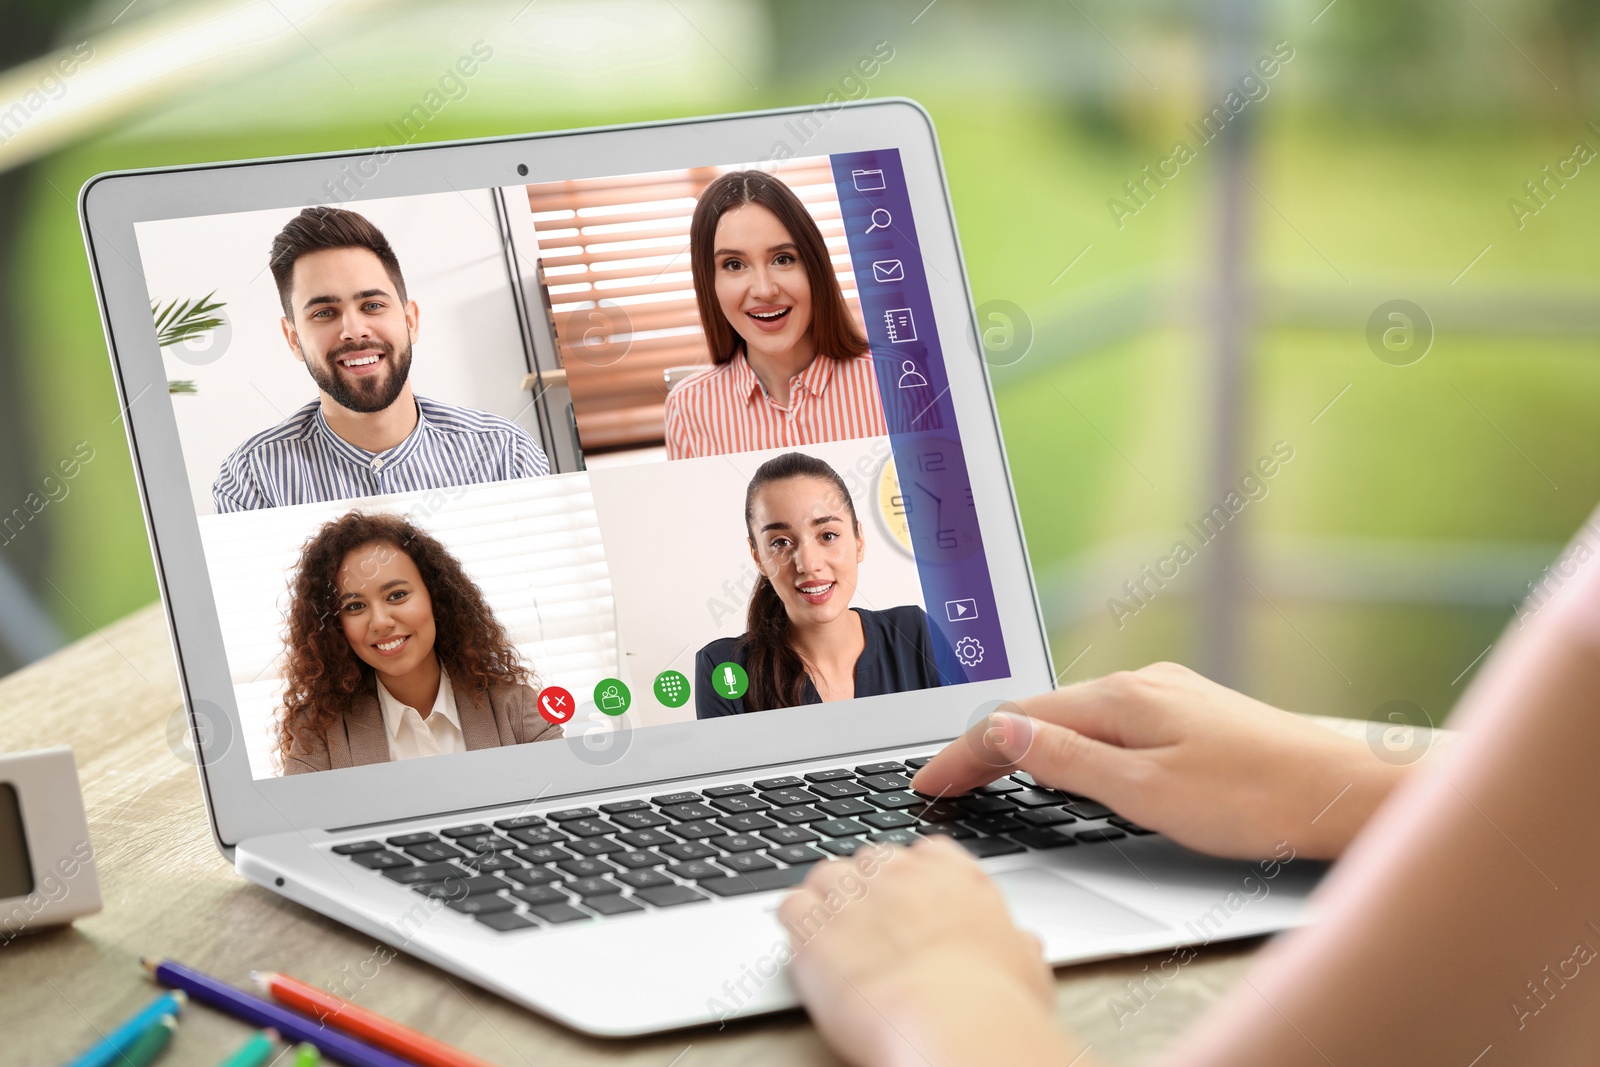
pixel 789 365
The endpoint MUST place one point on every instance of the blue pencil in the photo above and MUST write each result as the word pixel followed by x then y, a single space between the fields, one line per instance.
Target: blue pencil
pixel 111 1047
pixel 291 1025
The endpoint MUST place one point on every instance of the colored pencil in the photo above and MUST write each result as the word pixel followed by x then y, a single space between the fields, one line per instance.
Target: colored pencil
pixel 108 1050
pixel 254 1052
pixel 257 1012
pixel 360 1022
pixel 148 1045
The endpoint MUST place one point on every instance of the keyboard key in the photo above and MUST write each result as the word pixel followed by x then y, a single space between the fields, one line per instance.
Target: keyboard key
pixel 426 872
pixel 789 835
pixel 694 831
pixel 843 846
pixel 695 870
pixel 485 843
pixel 794 816
pixel 994 824
pixel 868 769
pixel 569 814
pixel 595 846
pixel 727 790
pixel 616 807
pixel 588 827
pixel 433 852
pixel 667 896
pixel 593 887
pixel 470 830
pixel 840 827
pixel 644 879
pixel 1035 798
pixel 357 846
pixel 688 850
pixel 900 799
pixel 505 921
pixel 985 805
pixel 1131 827
pixel 689 812
pixel 584 868
pixel 896 837
pixel 1088 809
pixel 458 887
pixel 538 835
pixel 937 811
pixel 785 797
pixel 786 782
pixel 638 820
pixel 832 775
pixel 735 805
pixel 1000 788
pixel 1046 817
pixel 736 843
pixel 379 861
pixel 674 798
pixel 745 824
pixel 796 854
pixel 846 806
pixel 558 913
pixel 402 840
pixel 916 763
pixel 639 858
pixel 645 839
pixel 888 820
pixel 1093 836
pixel 885 783
pixel 945 829
pixel 984 847
pixel 1028 780
pixel 481 905
pixel 533 875
pixel 755 881
pixel 611 905
pixel 746 861
pixel 835 790
pixel 519 822
pixel 542 854
pixel 1042 838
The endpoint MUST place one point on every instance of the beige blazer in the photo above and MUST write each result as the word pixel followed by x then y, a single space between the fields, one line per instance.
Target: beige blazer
pixel 505 715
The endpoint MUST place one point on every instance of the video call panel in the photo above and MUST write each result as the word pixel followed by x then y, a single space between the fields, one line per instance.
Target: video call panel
pixel 723 458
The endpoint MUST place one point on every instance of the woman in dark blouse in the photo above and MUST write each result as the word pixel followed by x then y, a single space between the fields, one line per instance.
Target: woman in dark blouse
pixel 803 642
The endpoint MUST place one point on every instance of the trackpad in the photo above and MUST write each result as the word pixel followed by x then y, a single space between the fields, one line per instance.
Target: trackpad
pixel 1066 916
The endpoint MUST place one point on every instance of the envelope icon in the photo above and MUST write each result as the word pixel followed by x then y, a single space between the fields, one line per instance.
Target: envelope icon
pixel 888 270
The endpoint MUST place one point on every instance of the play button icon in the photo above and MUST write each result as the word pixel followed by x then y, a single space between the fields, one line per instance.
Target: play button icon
pixel 960 610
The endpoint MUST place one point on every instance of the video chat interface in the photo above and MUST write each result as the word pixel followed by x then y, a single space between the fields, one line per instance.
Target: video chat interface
pixel 571 560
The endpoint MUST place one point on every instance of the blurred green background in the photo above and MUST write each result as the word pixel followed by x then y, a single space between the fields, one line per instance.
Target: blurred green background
pixel 1141 363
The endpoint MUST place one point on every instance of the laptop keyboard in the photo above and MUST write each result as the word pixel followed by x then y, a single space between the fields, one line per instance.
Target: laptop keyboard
pixel 629 856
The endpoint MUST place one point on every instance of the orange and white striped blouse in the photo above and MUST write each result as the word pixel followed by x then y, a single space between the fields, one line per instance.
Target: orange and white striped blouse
pixel 725 409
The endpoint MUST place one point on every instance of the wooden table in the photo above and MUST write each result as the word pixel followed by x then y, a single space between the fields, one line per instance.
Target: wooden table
pixel 114 698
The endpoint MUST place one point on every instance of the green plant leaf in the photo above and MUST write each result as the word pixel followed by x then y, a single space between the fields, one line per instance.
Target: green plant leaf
pixel 180 320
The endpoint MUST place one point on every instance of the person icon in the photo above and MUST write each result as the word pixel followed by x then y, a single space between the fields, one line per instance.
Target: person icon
pixel 910 377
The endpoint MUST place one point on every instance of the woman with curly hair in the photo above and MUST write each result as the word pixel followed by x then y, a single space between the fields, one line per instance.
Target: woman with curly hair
pixel 394 654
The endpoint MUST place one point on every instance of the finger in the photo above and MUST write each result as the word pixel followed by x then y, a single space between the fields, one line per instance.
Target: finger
pixel 1055 755
pixel 979 756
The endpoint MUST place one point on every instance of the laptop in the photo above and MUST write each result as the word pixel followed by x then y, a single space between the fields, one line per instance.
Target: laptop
pixel 501 493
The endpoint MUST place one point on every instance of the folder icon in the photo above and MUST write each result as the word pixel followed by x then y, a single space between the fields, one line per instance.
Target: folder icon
pixel 888 270
pixel 867 181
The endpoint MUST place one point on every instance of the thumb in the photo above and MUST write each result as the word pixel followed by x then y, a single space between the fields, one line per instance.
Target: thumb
pixel 1062 758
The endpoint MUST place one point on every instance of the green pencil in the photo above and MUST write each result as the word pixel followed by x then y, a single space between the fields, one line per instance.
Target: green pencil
pixel 149 1044
pixel 254 1052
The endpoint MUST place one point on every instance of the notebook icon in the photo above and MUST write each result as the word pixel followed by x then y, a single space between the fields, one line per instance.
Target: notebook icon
pixel 867 181
pixel 900 325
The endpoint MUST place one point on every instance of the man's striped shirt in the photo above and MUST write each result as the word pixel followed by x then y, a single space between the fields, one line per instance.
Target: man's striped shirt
pixel 724 408
pixel 302 461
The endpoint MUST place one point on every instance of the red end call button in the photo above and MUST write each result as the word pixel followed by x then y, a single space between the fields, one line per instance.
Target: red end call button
pixel 556 704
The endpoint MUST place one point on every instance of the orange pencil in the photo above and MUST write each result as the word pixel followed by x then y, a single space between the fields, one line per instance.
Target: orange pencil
pixel 358 1022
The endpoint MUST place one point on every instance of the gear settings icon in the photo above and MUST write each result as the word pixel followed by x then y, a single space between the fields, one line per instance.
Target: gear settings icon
pixel 969 651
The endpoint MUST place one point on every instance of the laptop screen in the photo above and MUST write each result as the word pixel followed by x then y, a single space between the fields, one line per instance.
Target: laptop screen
pixel 500 466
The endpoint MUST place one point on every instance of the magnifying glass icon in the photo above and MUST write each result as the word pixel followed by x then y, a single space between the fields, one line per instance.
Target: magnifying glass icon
pixel 880 219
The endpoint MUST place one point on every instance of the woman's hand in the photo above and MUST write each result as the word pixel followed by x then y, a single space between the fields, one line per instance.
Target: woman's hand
pixel 907 955
pixel 1169 749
